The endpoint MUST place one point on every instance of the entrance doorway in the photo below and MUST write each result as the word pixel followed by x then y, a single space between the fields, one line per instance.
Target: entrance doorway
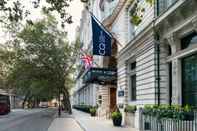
pixel 112 99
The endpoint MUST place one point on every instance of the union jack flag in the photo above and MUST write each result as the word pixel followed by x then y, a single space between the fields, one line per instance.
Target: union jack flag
pixel 87 60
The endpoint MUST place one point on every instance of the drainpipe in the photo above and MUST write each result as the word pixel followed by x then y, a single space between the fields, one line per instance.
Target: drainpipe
pixel 157 57
pixel 157 49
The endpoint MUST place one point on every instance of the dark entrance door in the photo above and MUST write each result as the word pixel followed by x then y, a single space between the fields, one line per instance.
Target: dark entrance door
pixel 112 99
pixel 189 79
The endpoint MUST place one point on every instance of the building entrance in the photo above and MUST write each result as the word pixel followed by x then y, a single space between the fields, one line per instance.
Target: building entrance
pixel 112 99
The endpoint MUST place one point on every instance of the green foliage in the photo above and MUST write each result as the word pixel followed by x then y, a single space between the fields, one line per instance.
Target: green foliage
pixel 6 57
pixel 151 2
pixel 16 11
pixel 43 61
pixel 93 110
pixel 136 20
pixel 130 109
pixel 137 12
pixel 116 115
pixel 117 118
pixel 83 107
pixel 165 111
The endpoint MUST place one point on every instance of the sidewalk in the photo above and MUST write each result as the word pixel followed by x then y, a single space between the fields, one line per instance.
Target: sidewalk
pixel 65 123
pixel 80 121
pixel 96 124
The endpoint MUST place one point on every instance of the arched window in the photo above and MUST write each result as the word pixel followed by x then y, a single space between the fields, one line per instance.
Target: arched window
pixel 189 40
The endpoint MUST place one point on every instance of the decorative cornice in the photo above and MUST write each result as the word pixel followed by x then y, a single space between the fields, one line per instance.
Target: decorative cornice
pixel 194 23
pixel 110 19
pixel 136 40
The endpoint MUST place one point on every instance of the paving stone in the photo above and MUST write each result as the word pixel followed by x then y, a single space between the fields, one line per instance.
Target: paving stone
pixel 64 124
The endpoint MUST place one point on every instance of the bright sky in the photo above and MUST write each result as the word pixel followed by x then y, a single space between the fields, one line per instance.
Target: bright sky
pixel 75 10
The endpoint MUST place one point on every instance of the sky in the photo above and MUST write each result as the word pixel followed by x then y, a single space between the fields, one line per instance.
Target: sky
pixel 75 10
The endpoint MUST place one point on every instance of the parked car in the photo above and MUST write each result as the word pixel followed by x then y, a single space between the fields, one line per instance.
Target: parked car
pixel 43 104
pixel 4 104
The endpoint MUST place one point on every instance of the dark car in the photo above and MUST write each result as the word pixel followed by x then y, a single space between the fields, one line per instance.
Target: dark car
pixel 4 104
pixel 4 108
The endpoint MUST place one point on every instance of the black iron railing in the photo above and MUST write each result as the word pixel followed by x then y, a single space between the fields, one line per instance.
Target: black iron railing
pixel 152 123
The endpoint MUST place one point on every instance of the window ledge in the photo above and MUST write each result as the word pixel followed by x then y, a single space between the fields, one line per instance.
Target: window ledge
pixel 183 53
pixel 169 11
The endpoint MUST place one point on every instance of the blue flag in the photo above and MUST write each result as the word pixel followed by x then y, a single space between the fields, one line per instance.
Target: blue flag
pixel 101 39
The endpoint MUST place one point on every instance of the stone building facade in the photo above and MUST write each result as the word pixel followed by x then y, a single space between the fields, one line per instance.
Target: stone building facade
pixel 177 31
pixel 154 56
pixel 155 59
pixel 101 95
pixel 84 93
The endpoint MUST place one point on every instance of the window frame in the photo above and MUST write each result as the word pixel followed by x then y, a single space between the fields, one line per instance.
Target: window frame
pixel 185 89
pixel 131 73
pixel 133 95
pixel 166 6
pixel 188 40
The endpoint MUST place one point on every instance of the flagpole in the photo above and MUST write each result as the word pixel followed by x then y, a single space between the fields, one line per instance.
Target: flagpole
pixel 103 26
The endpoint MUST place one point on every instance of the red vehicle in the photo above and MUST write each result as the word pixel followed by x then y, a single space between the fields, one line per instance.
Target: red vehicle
pixel 4 104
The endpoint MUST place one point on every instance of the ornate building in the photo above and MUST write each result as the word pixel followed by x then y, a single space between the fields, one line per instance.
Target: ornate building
pixel 154 51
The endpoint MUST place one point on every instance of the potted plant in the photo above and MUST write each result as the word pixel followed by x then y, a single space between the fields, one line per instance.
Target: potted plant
pixel 188 113
pixel 93 111
pixel 117 118
pixel 130 115
pixel 130 109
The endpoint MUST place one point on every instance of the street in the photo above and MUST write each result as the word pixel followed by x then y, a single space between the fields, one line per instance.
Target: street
pixel 27 120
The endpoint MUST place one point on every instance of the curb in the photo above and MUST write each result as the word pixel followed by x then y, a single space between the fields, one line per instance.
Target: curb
pixel 81 126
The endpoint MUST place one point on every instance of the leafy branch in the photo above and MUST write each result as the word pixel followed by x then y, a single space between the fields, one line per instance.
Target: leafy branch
pixel 137 12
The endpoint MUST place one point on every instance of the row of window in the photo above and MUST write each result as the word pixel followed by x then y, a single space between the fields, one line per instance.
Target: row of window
pixel 189 70
pixel 163 5
pixel 135 20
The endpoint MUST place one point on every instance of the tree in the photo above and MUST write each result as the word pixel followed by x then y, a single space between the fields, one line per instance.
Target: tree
pixel 43 63
pixel 15 10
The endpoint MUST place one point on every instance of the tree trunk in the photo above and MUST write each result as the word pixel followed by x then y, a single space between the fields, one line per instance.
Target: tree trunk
pixel 24 101
pixel 66 101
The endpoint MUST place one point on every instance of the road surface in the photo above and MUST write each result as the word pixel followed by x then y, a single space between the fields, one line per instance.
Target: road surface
pixel 27 120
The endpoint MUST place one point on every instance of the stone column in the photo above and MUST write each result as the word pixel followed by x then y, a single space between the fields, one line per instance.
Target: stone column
pixel 176 82
pixel 176 70
pixel 11 101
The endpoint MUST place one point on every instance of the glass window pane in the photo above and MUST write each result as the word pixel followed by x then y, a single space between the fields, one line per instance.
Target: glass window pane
pixel 133 87
pixel 189 78
pixel 163 5
pixel 189 40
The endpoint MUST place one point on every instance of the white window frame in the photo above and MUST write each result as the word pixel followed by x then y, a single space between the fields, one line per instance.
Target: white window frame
pixel 129 74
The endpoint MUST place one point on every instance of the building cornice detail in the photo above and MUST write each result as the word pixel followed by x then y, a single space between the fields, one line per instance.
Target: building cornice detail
pixel 136 40
pixel 110 19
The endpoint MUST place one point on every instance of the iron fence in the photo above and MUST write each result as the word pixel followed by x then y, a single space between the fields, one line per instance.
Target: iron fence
pixel 151 123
